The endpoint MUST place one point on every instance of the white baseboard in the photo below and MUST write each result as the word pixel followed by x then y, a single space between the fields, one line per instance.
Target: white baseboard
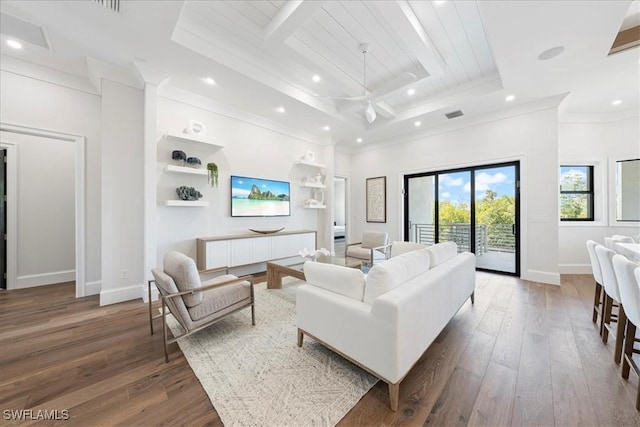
pixel 114 296
pixel 542 277
pixel 154 294
pixel 92 288
pixel 32 280
pixel 575 268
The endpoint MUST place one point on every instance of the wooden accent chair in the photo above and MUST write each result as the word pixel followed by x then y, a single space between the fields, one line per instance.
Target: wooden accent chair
pixel 597 276
pixel 612 296
pixel 194 303
pixel 374 247
pixel 628 274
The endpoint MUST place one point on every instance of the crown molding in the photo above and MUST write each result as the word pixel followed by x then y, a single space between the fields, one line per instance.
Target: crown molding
pixel 598 117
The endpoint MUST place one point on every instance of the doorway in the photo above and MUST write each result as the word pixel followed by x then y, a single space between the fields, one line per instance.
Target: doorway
pixel 3 218
pixel 475 207
pixel 339 215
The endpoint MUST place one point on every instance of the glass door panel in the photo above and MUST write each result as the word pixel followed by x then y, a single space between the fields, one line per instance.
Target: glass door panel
pixel 495 218
pixel 454 209
pixel 420 226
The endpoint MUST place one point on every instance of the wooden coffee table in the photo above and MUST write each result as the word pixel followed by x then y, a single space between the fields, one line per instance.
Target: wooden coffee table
pixel 293 267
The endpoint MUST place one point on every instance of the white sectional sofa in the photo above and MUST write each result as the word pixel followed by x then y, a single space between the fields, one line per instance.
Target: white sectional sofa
pixel 385 320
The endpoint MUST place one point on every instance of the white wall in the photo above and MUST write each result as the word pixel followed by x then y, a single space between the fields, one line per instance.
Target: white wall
pixel 339 205
pixel 122 193
pixel 250 150
pixel 531 138
pixel 600 144
pixel 37 103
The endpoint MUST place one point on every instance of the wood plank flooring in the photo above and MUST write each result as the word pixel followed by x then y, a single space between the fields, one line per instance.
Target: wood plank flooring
pixel 525 354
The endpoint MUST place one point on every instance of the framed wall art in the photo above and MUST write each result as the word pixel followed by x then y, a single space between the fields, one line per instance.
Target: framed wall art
pixel 377 199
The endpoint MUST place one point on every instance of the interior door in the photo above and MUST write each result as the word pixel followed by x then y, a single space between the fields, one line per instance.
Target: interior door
pixel 3 219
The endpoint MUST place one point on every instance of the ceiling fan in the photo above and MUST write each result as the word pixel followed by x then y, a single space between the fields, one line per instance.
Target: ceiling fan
pixel 398 82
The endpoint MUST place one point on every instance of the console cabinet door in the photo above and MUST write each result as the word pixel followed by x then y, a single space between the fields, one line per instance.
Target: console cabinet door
pixel 242 252
pixel 218 254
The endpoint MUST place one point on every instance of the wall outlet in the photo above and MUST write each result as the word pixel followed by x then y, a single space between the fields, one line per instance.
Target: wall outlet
pixel 124 274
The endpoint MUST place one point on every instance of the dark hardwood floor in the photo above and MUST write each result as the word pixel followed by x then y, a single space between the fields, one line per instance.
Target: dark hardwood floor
pixel 524 354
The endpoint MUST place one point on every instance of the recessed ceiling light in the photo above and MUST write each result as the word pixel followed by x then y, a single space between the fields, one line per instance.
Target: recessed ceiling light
pixel 14 44
pixel 551 53
pixel 417 124
pixel 280 109
pixel 316 78
pixel 210 81
pixel 411 92
pixel 359 140
pixel 616 102
pixel 438 2
pixel 510 98
pixel 326 128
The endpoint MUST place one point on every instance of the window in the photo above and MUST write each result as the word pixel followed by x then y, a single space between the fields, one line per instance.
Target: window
pixel 576 193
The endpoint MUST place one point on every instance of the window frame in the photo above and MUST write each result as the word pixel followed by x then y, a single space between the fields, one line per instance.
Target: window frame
pixel 591 192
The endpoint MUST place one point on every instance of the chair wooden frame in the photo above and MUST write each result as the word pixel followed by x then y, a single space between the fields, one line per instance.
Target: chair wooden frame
pixel 164 298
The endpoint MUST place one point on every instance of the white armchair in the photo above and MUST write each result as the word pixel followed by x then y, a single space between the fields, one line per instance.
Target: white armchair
pixel 373 247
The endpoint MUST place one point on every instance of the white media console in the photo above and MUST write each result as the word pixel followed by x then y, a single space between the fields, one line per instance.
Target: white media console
pixel 251 248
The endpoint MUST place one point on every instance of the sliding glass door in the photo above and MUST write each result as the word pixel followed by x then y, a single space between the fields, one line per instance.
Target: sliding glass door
pixel 475 207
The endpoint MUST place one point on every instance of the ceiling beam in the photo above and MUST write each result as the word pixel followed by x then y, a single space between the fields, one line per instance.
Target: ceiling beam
pixel 292 15
pixel 626 39
pixel 406 24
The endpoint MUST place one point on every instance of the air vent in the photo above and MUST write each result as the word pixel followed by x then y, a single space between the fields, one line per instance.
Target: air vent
pixel 113 5
pixel 454 114
pixel 18 29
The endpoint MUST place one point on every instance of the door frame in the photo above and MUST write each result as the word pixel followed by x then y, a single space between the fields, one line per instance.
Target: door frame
pixel 517 163
pixel 12 211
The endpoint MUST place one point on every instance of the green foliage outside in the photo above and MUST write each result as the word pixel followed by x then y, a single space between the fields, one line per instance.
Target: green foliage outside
pixel 573 206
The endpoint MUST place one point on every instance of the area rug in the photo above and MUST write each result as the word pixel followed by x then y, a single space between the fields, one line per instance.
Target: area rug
pixel 257 375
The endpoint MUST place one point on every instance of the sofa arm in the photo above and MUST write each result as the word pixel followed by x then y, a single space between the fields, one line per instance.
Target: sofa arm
pixel 345 281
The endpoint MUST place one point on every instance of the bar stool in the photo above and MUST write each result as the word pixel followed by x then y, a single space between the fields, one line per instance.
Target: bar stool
pixel 609 242
pixel 628 274
pixel 597 276
pixel 610 285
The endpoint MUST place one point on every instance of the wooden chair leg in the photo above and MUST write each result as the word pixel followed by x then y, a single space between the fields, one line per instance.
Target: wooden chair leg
pixel 164 331
pixel 394 393
pixel 596 301
pixel 253 314
pixel 628 349
pixel 622 321
pixel 300 338
pixel 473 297
pixel 606 318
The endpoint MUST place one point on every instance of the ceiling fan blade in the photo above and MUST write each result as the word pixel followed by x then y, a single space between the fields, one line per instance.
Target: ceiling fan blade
pixel 344 98
pixel 395 84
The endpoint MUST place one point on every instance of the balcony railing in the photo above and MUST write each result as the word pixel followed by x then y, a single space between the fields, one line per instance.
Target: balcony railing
pixel 489 237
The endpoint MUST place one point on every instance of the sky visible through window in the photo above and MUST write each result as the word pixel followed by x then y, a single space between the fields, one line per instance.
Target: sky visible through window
pixel 456 187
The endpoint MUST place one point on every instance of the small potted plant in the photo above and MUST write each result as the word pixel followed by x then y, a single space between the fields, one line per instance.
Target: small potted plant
pixel 213 174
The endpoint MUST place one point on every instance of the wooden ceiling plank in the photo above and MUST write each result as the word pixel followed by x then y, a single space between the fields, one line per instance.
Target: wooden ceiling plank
pixel 249 12
pixel 223 16
pixel 292 15
pixel 267 8
pixel 448 15
pixel 472 23
pixel 333 30
pixel 404 22
pixel 455 73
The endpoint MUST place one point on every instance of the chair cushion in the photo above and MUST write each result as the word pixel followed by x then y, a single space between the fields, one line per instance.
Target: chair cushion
pixel 218 299
pixel 374 239
pixel 442 252
pixel 363 253
pixel 394 272
pixel 184 273
pixel 337 279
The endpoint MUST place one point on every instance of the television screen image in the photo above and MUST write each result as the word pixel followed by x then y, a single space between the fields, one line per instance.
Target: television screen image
pixel 259 197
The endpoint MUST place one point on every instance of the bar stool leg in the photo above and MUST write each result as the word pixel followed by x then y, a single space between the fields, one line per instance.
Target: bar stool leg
pixel 597 301
pixel 606 318
pixel 622 321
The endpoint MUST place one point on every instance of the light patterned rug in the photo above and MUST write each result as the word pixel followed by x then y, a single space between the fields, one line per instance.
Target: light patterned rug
pixel 257 376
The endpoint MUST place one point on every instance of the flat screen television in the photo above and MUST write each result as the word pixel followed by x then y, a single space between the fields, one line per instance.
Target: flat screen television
pixel 259 197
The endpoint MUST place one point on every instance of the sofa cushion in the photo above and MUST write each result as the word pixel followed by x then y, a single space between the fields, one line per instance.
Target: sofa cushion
pixel 400 247
pixel 345 281
pixel 394 272
pixel 184 273
pixel 442 252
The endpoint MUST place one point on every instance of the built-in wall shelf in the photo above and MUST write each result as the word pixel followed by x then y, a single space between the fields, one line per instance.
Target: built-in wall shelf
pixel 191 138
pixel 185 169
pixel 315 207
pixel 312 185
pixel 186 203
pixel 313 164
